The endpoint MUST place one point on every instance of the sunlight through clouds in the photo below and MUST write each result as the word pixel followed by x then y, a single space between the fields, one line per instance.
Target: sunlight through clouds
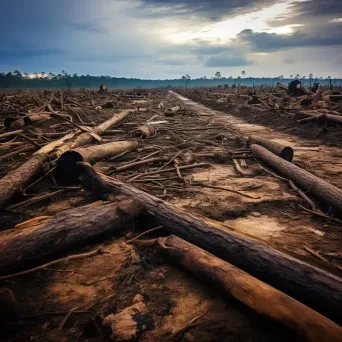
pixel 229 28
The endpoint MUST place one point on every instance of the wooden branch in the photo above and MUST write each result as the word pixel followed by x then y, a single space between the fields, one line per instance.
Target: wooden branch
pixel 313 286
pixel 17 179
pixel 33 241
pixel 309 183
pixel 259 296
pixel 51 263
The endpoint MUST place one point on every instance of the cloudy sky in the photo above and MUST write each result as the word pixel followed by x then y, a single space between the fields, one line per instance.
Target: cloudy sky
pixel 168 38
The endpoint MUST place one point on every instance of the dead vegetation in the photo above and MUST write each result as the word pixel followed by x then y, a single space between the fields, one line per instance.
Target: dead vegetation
pixel 77 259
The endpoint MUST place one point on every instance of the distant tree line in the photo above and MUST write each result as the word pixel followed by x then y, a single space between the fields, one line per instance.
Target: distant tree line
pixel 16 79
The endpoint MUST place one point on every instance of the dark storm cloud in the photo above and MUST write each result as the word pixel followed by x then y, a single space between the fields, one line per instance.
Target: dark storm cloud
pixel 261 41
pixel 209 9
pixel 308 12
pixel 226 61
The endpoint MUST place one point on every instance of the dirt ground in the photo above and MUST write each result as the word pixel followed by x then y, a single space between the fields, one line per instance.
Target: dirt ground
pixel 265 208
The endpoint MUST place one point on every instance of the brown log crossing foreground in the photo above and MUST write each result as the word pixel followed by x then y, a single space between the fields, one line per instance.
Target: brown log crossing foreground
pixel 17 179
pixel 322 119
pixel 38 239
pixel 310 184
pixel 259 296
pixel 283 151
pixel 315 287
pixel 67 163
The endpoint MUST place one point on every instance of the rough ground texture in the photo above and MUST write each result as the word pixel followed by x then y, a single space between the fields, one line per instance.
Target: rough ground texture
pixel 95 287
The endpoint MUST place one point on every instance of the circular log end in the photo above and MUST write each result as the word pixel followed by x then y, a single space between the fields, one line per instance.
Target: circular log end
pixel 67 169
pixel 13 123
pixel 27 121
pixel 287 153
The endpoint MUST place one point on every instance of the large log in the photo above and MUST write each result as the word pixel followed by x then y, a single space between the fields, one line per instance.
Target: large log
pixel 315 287
pixel 310 184
pixel 17 179
pixel 38 239
pixel 283 151
pixel 259 296
pixel 86 138
pixel 322 119
pixel 67 167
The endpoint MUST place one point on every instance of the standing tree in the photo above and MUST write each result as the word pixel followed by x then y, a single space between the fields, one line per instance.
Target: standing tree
pixel 186 78
pixel 297 76
pixel 17 73
pixel 218 75
pixel 243 73
pixel 291 76
pixel 311 76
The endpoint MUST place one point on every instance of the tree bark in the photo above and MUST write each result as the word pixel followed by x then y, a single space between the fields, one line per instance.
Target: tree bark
pixel 38 239
pixel 310 184
pixel 67 168
pixel 283 151
pixel 86 138
pixel 17 179
pixel 322 119
pixel 33 118
pixel 259 296
pixel 315 287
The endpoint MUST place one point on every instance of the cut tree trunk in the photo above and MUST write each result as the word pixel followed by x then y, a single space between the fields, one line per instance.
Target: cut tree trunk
pixel 38 239
pixel 17 179
pixel 33 118
pixel 259 296
pixel 67 168
pixel 315 287
pixel 283 151
pixel 87 138
pixel 322 119
pixel 13 123
pixel 310 184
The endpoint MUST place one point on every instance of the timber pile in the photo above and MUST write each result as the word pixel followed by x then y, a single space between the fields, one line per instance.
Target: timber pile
pixel 81 167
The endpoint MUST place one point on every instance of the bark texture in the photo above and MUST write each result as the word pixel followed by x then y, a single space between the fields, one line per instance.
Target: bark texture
pixel 259 296
pixel 38 239
pixel 86 138
pixel 67 163
pixel 310 184
pixel 313 286
pixel 17 179
pixel 283 151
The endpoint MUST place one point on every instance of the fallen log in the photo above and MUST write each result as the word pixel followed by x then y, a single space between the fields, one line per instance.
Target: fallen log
pixel 310 184
pixel 283 151
pixel 13 123
pixel 33 118
pixel 172 111
pixel 259 296
pixel 10 134
pixel 17 179
pixel 15 153
pixel 322 119
pixel 37 240
pixel 144 132
pixel 67 168
pixel 87 138
pixel 315 287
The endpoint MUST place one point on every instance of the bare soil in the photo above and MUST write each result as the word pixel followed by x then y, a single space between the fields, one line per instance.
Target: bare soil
pixel 267 209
